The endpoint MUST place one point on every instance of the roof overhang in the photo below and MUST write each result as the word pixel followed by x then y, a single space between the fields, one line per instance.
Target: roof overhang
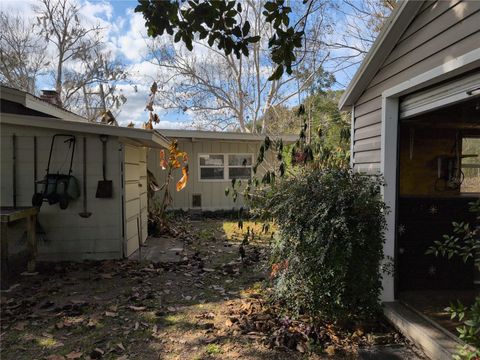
pixel 138 137
pixel 35 103
pixel 220 135
pixel 391 32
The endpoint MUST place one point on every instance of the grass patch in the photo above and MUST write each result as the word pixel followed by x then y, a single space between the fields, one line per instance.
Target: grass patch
pixel 213 349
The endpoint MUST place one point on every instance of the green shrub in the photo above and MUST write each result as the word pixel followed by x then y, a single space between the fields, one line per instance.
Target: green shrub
pixel 326 257
pixel 464 243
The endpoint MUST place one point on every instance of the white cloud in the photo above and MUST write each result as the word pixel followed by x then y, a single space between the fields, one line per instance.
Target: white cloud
pixel 132 43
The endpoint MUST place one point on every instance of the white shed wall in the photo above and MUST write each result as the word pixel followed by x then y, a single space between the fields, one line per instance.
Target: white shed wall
pixel 212 192
pixel 69 236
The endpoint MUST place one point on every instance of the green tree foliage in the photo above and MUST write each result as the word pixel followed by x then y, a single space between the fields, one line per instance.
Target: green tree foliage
pixel 221 24
pixel 464 243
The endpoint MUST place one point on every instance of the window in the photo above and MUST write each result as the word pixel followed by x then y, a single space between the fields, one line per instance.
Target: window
pixel 470 165
pixel 224 167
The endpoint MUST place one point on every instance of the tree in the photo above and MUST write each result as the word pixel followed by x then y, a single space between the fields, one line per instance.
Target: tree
pixel 224 24
pixel 91 88
pixel 222 90
pixel 362 22
pixel 22 53
pixel 60 23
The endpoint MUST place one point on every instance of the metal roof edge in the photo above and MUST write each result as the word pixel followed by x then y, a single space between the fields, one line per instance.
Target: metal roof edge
pixel 220 135
pixel 148 137
pixel 391 32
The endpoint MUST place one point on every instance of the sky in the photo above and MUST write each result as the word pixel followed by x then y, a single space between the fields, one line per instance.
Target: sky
pixel 125 35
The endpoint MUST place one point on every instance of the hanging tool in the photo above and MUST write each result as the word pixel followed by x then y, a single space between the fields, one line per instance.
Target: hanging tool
pixel 85 214
pixel 104 187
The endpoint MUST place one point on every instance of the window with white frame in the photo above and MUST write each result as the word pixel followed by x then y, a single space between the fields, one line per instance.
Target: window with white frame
pixel 470 165
pixel 224 167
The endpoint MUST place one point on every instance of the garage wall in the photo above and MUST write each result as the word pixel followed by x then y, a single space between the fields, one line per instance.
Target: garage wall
pixel 213 193
pixel 68 236
pixel 441 31
pixel 136 213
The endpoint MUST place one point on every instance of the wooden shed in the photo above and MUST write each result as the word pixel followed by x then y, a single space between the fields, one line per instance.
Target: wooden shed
pixel 118 224
pixel 215 158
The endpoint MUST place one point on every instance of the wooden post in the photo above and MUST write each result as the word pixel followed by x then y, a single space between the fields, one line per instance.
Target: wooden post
pixel 32 242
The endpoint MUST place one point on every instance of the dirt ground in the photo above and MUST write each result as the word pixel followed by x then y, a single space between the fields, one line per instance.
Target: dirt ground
pixel 210 305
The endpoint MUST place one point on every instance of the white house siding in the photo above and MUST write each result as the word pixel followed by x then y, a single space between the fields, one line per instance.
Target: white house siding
pixel 212 192
pixel 69 236
pixel 441 31
pixel 136 214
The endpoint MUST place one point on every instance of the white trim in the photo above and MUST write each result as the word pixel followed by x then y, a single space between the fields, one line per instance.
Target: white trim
pixel 389 142
pixel 138 137
pixel 226 167
pixel 440 96
pixel 352 137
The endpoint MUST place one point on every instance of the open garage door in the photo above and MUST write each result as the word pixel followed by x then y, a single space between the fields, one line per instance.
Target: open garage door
pixel 440 96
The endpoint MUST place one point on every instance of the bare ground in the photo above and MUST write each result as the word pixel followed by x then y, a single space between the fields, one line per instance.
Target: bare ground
pixel 211 305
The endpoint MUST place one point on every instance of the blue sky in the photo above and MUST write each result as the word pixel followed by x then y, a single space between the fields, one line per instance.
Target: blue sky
pixel 125 36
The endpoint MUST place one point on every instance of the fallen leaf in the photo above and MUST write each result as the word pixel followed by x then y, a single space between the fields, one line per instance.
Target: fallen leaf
pixel 330 350
pixel 74 355
pixel 110 314
pixel 137 308
pixel 20 326
pixel 120 345
pixel 55 357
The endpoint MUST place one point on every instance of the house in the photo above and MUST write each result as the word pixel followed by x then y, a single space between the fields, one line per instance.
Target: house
pixel 118 222
pixel 215 158
pixel 415 103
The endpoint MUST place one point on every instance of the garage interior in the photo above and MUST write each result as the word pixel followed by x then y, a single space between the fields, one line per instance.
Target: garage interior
pixel 439 177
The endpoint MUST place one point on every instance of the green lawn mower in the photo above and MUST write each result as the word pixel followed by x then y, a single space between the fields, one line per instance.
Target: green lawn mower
pixel 58 188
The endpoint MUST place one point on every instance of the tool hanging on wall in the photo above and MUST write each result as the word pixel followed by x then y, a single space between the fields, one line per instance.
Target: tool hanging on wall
pixel 104 187
pixel 58 188
pixel 85 214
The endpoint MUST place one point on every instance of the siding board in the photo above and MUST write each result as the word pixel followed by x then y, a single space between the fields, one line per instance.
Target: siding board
pixel 441 31
pixel 443 23
pixel 459 47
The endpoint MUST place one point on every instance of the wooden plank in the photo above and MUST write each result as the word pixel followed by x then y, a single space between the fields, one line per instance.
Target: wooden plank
pixel 431 40
pixel 428 13
pixel 443 23
pixel 368 169
pixel 367 157
pixel 368 119
pixel 132 154
pixel 459 48
pixel 367 107
pixel 436 344
pixel 131 191
pixel 132 172
pixel 367 144
pixel 368 132
pixel 132 208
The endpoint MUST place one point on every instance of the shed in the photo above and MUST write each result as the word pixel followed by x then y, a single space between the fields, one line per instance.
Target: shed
pixel 117 224
pixel 215 158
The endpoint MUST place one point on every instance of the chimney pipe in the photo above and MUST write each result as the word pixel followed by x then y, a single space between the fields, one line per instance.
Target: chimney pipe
pixel 51 96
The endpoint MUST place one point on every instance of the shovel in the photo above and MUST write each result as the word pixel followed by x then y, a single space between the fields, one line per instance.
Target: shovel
pixel 85 214
pixel 104 187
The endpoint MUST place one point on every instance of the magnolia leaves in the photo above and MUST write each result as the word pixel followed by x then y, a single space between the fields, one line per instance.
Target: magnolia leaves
pixel 174 161
pixel 220 24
